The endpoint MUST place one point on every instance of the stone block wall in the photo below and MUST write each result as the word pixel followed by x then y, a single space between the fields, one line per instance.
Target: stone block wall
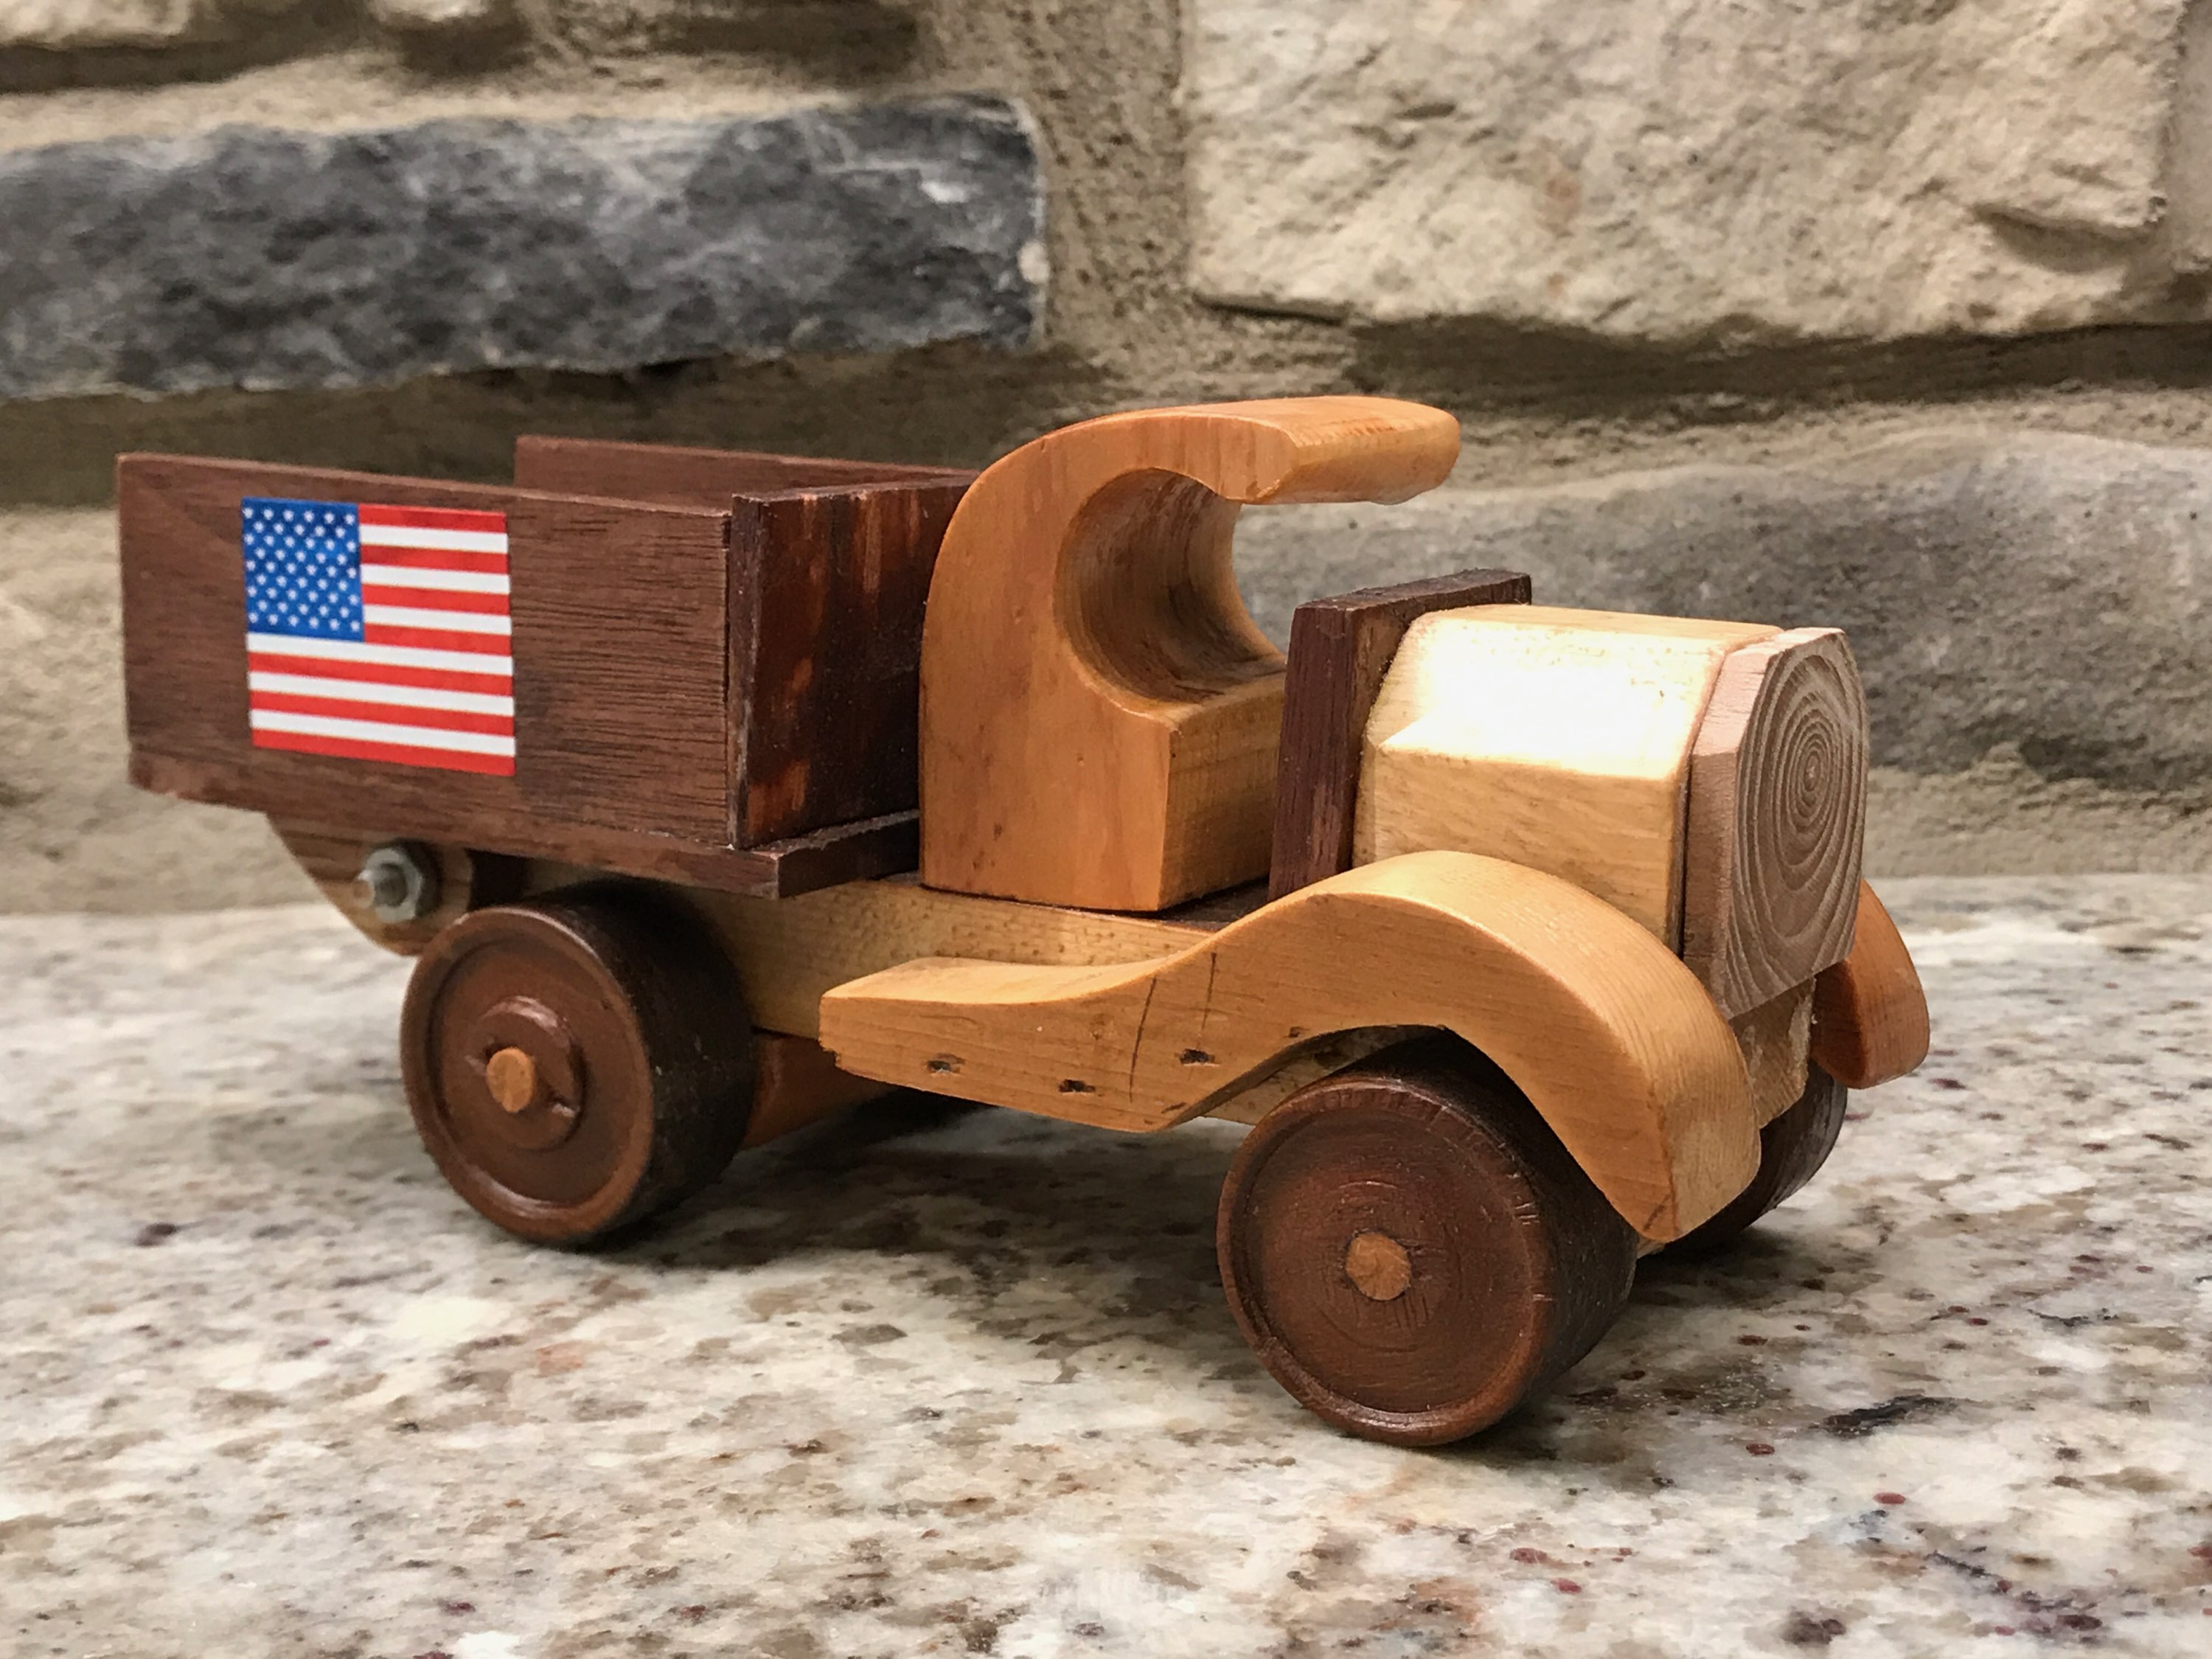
pixel 1896 313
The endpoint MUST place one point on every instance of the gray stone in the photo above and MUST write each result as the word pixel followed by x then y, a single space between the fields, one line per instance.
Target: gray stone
pixel 2045 591
pixel 261 259
pixel 914 1383
pixel 1678 173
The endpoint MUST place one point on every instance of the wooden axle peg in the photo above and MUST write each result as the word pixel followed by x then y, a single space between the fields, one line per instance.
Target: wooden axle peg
pixel 512 1076
pixel 1378 1267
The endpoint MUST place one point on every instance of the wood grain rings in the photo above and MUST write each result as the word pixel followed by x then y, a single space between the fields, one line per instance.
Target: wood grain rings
pixel 1777 819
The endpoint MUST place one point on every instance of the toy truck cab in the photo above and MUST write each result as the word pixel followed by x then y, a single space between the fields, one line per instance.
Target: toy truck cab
pixel 1527 939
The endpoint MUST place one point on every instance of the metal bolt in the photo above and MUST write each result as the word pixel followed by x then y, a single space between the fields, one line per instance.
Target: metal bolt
pixel 399 881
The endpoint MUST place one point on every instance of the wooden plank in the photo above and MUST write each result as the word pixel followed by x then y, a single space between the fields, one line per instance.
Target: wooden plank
pixel 1615 1042
pixel 828 587
pixel 687 476
pixel 790 954
pixel 1100 716
pixel 1341 646
pixel 804 863
pixel 619 640
pixel 1869 1013
pixel 1558 740
pixel 1777 818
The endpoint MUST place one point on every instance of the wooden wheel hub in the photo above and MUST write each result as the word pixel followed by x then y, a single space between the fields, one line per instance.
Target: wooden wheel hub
pixel 1409 1251
pixel 531 1070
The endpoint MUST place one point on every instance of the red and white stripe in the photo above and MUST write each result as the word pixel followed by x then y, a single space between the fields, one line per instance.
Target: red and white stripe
pixel 431 683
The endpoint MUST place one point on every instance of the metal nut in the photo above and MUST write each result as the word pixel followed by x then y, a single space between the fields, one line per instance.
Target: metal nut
pixel 399 881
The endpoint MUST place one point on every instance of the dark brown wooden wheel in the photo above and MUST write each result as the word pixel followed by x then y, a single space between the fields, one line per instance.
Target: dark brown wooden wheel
pixel 1792 1150
pixel 576 1062
pixel 1410 1250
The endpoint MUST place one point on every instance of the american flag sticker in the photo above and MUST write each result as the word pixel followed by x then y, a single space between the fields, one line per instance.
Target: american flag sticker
pixel 380 633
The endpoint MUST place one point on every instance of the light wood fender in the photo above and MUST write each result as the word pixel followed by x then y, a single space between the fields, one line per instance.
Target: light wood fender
pixel 1869 1012
pixel 1614 1041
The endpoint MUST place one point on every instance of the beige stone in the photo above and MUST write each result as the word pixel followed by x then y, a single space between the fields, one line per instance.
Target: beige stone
pixel 1679 173
pixel 440 16
pixel 72 24
pixel 82 24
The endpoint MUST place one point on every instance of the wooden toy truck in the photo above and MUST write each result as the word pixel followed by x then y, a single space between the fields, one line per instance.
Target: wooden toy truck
pixel 716 791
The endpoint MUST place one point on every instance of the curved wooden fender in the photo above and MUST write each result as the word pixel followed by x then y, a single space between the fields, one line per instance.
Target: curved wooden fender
pixel 1100 716
pixel 1611 1036
pixel 1869 1012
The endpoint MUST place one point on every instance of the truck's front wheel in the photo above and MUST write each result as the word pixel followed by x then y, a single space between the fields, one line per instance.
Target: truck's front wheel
pixel 576 1062
pixel 1411 1252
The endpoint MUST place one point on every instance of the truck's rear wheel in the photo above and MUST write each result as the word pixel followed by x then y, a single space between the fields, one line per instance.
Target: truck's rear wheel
pixel 1792 1150
pixel 577 1062
pixel 1411 1252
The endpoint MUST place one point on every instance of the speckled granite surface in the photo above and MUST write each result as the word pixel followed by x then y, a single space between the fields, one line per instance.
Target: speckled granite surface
pixel 926 1384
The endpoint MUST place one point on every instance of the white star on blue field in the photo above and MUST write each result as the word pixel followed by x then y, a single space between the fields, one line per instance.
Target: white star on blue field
pixel 302 567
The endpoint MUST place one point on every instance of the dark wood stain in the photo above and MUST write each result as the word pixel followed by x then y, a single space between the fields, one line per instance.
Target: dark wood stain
pixel 1425 1156
pixel 724 695
pixel 830 568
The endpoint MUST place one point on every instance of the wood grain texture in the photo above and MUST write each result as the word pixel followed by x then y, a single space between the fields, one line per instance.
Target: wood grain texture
pixel 332 858
pixel 685 477
pixel 1775 1038
pixel 1869 1013
pixel 827 591
pixel 1559 739
pixel 1100 716
pixel 1409 1251
pixel 1777 818
pixel 792 952
pixel 1341 647
pixel 619 645
pixel 1613 1039
pixel 830 566
pixel 804 863
pixel 627 727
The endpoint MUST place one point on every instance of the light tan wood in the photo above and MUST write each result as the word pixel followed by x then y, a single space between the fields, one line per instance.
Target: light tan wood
pixel 1100 716
pixel 789 952
pixel 1777 818
pixel 1614 1041
pixel 1776 1038
pixel 1869 1012
pixel 1332 1054
pixel 511 1077
pixel 1558 740
pixel 796 1084
pixel 1378 1267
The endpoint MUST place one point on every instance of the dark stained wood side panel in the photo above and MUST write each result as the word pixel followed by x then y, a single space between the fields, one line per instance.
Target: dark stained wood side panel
pixel 1341 647
pixel 621 696
pixel 887 846
pixel 827 591
pixel 619 643
pixel 695 477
